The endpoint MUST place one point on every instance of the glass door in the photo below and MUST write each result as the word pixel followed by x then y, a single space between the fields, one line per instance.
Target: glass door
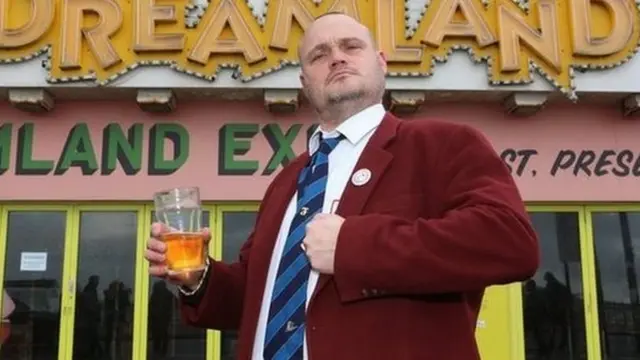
pixel 614 234
pixel 32 271
pixel 165 334
pixel 557 313
pixel 233 226
pixel 105 248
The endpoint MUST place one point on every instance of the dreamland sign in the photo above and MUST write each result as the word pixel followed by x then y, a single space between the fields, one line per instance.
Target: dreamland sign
pixel 100 40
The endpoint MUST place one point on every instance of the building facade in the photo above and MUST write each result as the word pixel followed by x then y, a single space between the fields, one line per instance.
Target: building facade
pixel 102 103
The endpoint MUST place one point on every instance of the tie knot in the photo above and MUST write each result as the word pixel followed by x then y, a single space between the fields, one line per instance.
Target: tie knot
pixel 328 144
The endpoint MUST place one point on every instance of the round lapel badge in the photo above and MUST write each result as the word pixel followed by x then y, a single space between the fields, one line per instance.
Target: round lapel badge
pixel 361 177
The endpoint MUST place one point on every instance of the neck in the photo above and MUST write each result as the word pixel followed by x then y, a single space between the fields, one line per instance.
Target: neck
pixel 335 114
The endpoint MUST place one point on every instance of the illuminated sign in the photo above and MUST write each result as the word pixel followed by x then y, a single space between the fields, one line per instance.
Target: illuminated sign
pixel 101 40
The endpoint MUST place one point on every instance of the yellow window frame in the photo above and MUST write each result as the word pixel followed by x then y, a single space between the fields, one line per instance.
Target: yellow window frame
pixel 589 209
pixel 216 213
pixel 214 337
pixel 70 265
pixel 138 339
pixel 142 273
pixel 64 351
pixel 588 275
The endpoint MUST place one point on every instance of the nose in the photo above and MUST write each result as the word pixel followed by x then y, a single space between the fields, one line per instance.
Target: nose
pixel 337 60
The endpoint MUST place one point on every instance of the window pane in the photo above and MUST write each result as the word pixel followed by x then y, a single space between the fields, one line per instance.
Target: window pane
pixel 617 247
pixel 34 287
pixel 236 227
pixel 106 281
pixel 168 337
pixel 553 299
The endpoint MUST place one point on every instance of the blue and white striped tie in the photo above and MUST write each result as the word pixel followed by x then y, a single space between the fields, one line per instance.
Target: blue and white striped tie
pixel 285 331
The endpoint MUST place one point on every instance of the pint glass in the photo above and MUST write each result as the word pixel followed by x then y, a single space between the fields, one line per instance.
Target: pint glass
pixel 180 210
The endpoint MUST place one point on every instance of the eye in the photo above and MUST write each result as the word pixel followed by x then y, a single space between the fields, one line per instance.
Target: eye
pixel 316 57
pixel 353 46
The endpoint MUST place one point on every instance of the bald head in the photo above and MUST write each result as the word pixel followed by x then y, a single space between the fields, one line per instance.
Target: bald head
pixel 332 20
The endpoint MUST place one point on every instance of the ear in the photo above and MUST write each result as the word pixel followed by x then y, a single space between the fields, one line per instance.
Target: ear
pixel 303 82
pixel 382 60
pixel 302 79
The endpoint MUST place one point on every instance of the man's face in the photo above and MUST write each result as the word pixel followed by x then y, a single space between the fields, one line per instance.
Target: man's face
pixel 339 62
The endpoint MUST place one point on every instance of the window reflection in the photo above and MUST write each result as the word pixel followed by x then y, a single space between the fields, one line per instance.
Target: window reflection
pixel 553 301
pixel 617 243
pixel 168 337
pixel 236 227
pixel 105 285
pixel 32 330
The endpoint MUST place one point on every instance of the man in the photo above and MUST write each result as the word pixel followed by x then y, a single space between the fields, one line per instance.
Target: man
pixel 426 217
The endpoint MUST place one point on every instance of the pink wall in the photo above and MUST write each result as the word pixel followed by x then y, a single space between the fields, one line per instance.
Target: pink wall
pixel 596 136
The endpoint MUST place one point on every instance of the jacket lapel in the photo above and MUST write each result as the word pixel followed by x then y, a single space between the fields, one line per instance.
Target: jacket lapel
pixel 375 158
pixel 279 200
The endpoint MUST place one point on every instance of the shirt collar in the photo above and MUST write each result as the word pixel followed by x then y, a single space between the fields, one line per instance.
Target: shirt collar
pixel 354 128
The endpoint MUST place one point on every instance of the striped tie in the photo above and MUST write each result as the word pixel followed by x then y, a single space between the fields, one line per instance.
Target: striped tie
pixel 284 336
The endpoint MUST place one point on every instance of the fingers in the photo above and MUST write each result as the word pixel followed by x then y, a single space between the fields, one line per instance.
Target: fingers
pixel 156 245
pixel 154 256
pixel 158 270
pixel 207 235
pixel 156 250
pixel 305 245
pixel 157 229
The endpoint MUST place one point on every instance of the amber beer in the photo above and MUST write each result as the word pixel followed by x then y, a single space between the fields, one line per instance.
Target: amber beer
pixel 185 251
pixel 180 210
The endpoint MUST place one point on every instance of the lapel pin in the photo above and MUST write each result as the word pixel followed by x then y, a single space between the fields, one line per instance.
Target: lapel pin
pixel 361 177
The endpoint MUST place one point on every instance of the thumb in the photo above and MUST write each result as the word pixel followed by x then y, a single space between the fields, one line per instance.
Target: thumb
pixel 206 233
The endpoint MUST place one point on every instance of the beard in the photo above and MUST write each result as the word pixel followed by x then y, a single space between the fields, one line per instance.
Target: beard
pixel 340 97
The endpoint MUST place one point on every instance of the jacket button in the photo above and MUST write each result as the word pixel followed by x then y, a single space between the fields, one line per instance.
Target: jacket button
pixel 365 292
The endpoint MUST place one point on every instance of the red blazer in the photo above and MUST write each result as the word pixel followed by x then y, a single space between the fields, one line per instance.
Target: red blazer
pixel 440 220
pixel 5 331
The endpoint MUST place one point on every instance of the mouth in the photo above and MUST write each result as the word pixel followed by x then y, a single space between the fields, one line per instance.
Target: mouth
pixel 339 74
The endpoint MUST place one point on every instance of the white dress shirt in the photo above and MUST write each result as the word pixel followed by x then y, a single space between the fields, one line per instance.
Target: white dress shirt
pixel 357 131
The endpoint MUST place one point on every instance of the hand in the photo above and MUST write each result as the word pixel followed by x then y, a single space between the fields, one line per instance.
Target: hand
pixel 320 241
pixel 155 255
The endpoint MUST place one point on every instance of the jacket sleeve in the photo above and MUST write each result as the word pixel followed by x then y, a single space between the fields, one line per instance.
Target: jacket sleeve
pixel 218 303
pixel 483 238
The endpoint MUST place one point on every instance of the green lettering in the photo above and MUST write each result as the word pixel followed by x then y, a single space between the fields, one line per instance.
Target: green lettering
pixel 179 136
pixel 231 145
pixel 78 151
pixel 118 148
pixel 25 164
pixel 5 147
pixel 282 145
